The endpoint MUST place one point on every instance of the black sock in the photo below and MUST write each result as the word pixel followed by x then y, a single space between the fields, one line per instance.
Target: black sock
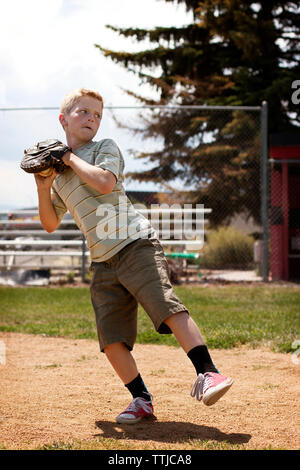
pixel 137 388
pixel 201 360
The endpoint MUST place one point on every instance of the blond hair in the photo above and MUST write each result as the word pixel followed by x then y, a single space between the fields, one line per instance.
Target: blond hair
pixel 70 99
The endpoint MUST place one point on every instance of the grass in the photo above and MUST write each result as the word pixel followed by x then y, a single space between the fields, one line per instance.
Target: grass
pixel 227 316
pixel 114 444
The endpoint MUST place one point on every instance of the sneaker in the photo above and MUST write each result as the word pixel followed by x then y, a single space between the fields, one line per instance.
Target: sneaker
pixel 138 409
pixel 210 387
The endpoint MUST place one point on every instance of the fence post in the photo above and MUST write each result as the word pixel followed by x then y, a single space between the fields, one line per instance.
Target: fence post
pixel 83 259
pixel 264 190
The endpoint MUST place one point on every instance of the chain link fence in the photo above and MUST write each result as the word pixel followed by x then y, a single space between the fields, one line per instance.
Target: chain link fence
pixel 215 156
pixel 186 156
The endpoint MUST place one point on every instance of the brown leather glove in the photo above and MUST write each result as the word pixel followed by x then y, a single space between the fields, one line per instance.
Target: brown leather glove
pixel 44 156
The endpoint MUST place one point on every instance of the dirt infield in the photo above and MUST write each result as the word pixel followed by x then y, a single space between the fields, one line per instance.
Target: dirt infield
pixel 62 390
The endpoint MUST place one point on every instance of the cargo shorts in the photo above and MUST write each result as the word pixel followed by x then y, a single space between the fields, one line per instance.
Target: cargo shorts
pixel 137 274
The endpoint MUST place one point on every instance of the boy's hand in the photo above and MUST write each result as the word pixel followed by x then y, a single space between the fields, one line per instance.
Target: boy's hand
pixel 43 182
pixel 66 158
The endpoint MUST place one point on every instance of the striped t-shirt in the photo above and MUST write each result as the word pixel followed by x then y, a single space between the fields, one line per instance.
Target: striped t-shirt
pixel 108 221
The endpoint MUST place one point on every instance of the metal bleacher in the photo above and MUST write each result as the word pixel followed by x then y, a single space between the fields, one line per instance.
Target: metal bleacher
pixel 24 243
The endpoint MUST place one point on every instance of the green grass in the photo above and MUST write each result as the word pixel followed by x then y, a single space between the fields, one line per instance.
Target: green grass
pixel 124 443
pixel 227 316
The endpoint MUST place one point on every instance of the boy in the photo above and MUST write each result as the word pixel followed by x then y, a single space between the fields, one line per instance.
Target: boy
pixel 128 265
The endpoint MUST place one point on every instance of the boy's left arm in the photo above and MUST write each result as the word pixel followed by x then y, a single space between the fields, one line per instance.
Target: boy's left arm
pixel 98 178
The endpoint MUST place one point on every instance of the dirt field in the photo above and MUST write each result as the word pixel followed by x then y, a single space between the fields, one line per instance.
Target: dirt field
pixel 62 390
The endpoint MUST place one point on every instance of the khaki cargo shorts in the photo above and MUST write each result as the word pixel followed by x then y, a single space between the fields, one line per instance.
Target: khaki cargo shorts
pixel 137 274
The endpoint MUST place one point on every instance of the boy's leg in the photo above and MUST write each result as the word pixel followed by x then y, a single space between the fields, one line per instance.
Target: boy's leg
pixel 125 366
pixel 185 330
pixel 209 385
pixel 122 361
pixel 190 339
pixel 116 319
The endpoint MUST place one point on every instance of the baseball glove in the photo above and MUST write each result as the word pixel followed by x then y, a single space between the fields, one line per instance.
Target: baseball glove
pixel 44 156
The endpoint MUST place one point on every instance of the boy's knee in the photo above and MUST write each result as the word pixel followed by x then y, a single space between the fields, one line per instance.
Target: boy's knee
pixel 175 317
pixel 114 348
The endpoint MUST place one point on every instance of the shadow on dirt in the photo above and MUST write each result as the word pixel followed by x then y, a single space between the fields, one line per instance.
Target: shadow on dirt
pixel 171 432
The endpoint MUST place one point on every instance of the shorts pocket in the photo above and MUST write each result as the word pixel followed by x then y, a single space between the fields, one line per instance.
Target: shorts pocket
pixel 97 274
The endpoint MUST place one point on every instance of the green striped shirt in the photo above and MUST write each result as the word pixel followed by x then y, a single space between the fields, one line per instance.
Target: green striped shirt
pixel 108 221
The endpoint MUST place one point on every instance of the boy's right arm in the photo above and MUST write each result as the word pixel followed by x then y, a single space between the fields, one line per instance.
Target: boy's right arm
pixel 48 217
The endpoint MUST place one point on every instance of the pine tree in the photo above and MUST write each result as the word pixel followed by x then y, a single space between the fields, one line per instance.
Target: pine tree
pixel 233 53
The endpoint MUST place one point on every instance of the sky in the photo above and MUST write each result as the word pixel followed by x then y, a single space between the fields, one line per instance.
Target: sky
pixel 47 49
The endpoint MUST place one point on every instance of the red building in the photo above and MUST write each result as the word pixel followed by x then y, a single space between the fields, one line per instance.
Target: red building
pixel 285 206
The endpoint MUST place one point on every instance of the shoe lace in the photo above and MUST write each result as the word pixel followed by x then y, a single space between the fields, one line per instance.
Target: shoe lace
pixel 133 405
pixel 138 401
pixel 197 389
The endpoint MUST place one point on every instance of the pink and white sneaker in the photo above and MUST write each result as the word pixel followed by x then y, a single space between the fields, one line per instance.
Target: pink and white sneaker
pixel 137 409
pixel 210 387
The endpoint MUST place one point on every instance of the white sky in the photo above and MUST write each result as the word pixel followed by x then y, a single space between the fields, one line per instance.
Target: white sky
pixel 46 49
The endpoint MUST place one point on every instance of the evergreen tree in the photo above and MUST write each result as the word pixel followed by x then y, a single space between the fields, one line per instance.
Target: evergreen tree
pixel 233 53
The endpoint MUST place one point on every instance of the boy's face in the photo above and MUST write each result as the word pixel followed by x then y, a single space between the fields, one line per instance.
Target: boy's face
pixel 81 124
